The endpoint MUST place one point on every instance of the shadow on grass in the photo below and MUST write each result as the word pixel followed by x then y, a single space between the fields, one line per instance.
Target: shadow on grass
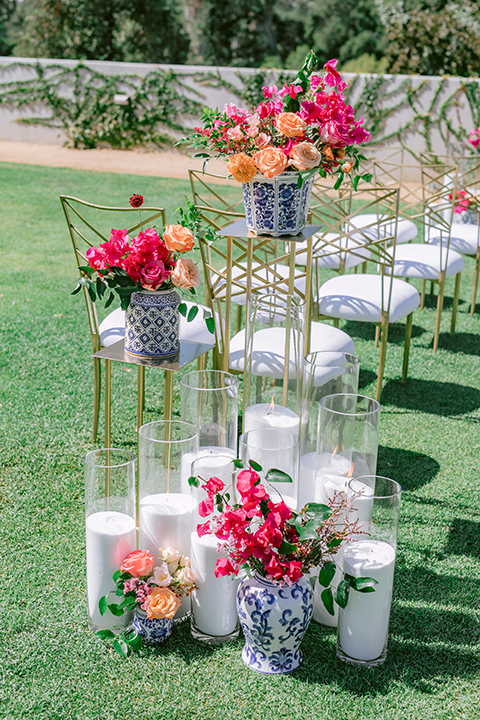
pixel 431 301
pixel 366 377
pixel 464 538
pixel 431 397
pixel 467 343
pixel 411 469
pixel 366 331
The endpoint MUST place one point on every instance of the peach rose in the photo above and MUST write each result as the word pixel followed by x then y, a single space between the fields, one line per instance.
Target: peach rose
pixel 170 554
pixel 162 603
pixel 290 124
pixel 305 156
pixel 138 563
pixel 262 140
pixel 271 161
pixel 186 274
pixel 340 154
pixel 327 152
pixel 242 167
pixel 178 238
pixel 347 167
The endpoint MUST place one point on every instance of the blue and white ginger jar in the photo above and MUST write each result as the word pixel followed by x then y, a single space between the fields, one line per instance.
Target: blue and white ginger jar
pixel 274 620
pixel 277 206
pixel 152 631
pixel 152 323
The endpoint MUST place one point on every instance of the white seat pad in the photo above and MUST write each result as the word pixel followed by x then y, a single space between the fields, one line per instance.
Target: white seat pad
pixel 418 260
pixel 406 229
pixel 269 348
pixel 359 297
pixel 112 328
pixel 464 239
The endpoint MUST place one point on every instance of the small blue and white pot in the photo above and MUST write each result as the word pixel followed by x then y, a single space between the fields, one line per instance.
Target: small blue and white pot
pixel 151 631
pixel 274 620
pixel 152 323
pixel 277 206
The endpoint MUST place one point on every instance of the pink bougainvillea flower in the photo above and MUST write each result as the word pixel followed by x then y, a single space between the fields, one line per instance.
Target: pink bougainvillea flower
pixel 224 567
pixel 333 77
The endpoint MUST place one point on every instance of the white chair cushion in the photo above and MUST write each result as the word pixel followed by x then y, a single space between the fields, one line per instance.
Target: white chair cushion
pixel 406 229
pixel 269 346
pixel 112 328
pixel 418 260
pixel 359 297
pixel 464 239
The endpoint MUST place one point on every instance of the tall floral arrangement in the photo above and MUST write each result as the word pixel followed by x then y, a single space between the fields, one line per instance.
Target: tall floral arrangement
pixel 305 126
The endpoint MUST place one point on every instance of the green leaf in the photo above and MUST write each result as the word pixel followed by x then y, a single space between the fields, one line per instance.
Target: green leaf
pixel 327 599
pixel 125 302
pixel 193 312
pixel 102 605
pixel 115 609
pixel 133 640
pixel 335 542
pixel 87 269
pixel 210 323
pixel 342 593
pixel 355 182
pixel 110 299
pixel 193 481
pixel 308 531
pixel 264 508
pixel 182 309
pixel 287 548
pixel 368 177
pixel 361 584
pixel 77 289
pixel 255 466
pixel 238 463
pixel 119 590
pixel 323 173
pixel 116 575
pixel 313 581
pixel 317 512
pixel 201 155
pixel 274 475
pixel 105 634
pixel 327 573
pixel 100 286
pixel 192 291
pixel 339 180
pixel 121 647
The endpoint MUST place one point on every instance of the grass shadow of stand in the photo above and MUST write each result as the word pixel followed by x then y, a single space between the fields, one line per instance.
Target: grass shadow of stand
pixel 432 397
pixel 411 469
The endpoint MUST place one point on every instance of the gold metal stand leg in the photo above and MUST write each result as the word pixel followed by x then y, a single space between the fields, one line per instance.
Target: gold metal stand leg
pixel 108 403
pixel 238 325
pixel 140 395
pixel 97 388
pixel 441 292
pixel 377 334
pixel 168 395
pixel 455 304
pixel 475 283
pixel 383 355
pixel 406 349
pixel 422 295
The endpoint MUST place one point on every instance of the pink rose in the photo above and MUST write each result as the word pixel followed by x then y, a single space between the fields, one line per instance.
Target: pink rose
pixel 263 139
pixel 138 563
pixel 334 133
pixel 252 131
pixel 153 275
pixel 186 274
pixel 235 134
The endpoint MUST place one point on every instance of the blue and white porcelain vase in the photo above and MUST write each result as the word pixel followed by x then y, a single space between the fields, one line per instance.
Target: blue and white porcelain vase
pixel 152 323
pixel 277 206
pixel 274 620
pixel 152 631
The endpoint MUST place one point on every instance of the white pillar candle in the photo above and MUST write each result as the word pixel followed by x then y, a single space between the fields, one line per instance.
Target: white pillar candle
pixel 110 538
pixel 306 479
pixel 361 505
pixel 333 474
pixel 363 624
pixel 208 470
pixel 214 601
pixel 320 612
pixel 266 415
pixel 166 520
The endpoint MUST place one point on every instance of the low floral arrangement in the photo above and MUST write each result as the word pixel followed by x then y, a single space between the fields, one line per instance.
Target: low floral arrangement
pixel 305 126
pixel 150 261
pixel 266 537
pixel 155 589
pixel 464 200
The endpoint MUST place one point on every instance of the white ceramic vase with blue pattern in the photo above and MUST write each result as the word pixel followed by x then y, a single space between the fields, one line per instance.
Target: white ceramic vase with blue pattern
pixel 277 206
pixel 153 631
pixel 152 323
pixel 274 620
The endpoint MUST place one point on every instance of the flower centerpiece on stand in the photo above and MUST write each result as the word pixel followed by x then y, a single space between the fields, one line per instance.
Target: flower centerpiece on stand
pixel 278 548
pixel 153 593
pixel 145 272
pixel 276 149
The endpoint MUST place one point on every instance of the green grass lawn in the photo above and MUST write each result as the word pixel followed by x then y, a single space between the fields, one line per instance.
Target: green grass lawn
pixel 53 666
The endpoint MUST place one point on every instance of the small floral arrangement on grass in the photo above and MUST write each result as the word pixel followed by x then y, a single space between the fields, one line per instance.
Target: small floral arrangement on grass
pixel 152 260
pixel 155 589
pixel 264 536
pixel 306 126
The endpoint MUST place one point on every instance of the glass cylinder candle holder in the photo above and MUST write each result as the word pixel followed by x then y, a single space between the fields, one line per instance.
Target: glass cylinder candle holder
pixel 209 400
pixel 362 637
pixel 109 524
pixel 166 514
pixel 277 449
pixel 347 442
pixel 325 373
pixel 274 363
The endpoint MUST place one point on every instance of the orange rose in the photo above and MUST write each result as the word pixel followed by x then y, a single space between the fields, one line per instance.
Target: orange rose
pixel 347 167
pixel 162 603
pixel 271 161
pixel 290 124
pixel 305 156
pixel 138 563
pixel 185 275
pixel 178 238
pixel 242 167
pixel 340 154
pixel 327 151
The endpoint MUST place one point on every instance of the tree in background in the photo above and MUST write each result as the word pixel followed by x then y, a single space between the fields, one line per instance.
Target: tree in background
pixel 7 8
pixel 142 30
